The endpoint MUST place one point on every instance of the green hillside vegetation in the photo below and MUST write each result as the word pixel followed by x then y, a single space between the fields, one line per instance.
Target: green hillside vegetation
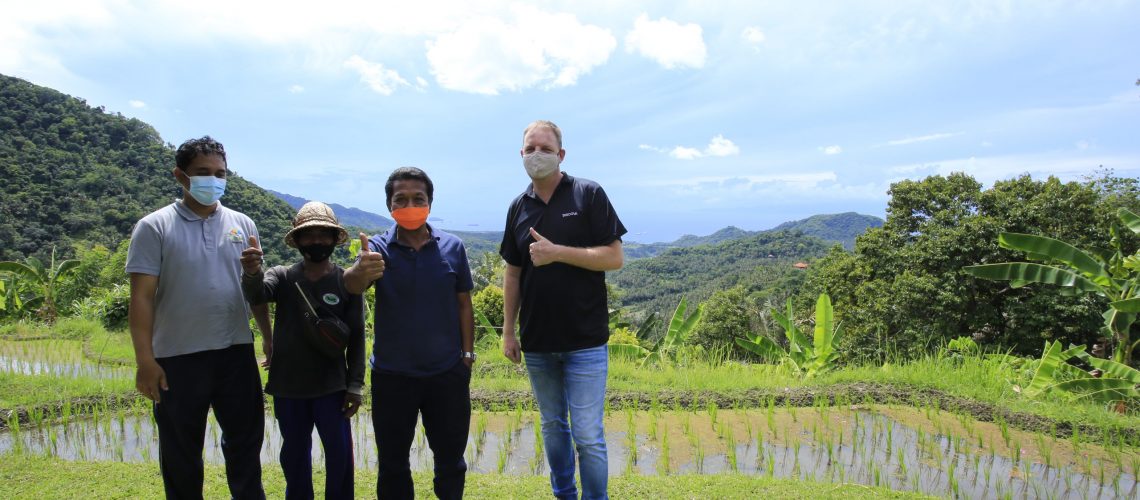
pixel 843 228
pixel 840 228
pixel 80 176
pixel 761 263
pixel 902 290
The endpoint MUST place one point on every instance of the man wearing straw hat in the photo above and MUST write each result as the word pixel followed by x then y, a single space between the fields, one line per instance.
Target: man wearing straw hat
pixel 316 373
pixel 424 344
pixel 190 327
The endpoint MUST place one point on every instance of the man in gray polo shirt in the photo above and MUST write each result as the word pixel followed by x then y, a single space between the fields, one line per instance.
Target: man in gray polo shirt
pixel 190 328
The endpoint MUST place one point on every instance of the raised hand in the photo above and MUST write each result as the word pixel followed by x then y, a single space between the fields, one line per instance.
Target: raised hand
pixel 371 263
pixel 542 251
pixel 251 257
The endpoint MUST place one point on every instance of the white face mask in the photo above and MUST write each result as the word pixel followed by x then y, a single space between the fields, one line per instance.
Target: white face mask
pixel 540 165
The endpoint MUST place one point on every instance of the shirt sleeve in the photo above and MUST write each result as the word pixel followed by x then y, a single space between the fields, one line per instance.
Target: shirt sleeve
pixel 144 255
pixel 508 248
pixel 605 226
pixel 463 281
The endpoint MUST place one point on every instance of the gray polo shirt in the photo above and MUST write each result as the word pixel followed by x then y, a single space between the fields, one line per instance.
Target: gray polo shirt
pixel 199 305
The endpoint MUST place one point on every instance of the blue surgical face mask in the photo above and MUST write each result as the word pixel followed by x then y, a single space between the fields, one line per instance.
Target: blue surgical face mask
pixel 207 189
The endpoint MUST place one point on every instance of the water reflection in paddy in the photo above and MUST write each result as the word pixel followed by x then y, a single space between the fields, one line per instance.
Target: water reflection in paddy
pixel 907 449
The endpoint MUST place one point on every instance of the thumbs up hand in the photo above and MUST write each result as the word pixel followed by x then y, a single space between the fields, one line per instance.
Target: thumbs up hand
pixel 371 264
pixel 542 251
pixel 251 257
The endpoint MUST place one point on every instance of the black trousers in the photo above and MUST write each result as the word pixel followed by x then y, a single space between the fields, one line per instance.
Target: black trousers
pixel 444 401
pixel 226 380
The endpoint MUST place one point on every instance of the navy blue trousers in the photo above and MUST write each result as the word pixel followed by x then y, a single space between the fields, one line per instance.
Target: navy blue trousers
pixel 227 381
pixel 444 403
pixel 296 418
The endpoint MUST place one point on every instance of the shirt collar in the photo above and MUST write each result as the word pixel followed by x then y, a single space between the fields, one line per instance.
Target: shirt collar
pixel 186 213
pixel 564 182
pixel 388 238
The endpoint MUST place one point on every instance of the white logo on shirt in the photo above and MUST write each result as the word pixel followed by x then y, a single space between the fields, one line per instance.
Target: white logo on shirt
pixel 568 214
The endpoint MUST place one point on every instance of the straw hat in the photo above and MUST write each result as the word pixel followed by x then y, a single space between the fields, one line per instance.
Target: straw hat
pixel 316 214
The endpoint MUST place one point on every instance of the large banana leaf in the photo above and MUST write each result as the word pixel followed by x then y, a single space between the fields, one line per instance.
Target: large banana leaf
pixel 1101 390
pixel 763 347
pixel 64 267
pixel 629 351
pixel 1052 360
pixel 1026 272
pixel 1043 248
pixel 1115 370
pixel 824 330
pixel 23 270
pixel 680 326
pixel 1128 305
pixel 1131 220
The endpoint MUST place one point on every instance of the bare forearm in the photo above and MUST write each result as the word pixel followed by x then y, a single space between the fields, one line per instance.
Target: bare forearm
pixel 141 320
pixel 510 299
pixel 600 258
pixel 466 322
pixel 261 317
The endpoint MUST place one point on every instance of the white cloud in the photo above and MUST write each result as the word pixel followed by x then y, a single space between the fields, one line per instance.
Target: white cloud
pixel 421 83
pixel 922 138
pixel 296 89
pixel 671 44
pixel 718 146
pixel 380 79
pixel 135 103
pixel 753 35
pixel 488 55
pixel 683 153
pixel 1066 166
pixel 1083 144
pixel 831 150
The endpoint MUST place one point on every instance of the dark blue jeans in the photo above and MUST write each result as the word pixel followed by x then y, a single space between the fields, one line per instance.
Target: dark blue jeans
pixel 444 402
pixel 296 418
pixel 227 381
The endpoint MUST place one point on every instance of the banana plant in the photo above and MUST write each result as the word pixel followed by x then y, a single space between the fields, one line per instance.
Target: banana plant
pixel 1115 277
pixel 44 279
pixel 680 326
pixel 1116 382
pixel 809 357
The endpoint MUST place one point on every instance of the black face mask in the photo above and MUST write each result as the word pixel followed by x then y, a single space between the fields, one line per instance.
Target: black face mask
pixel 317 252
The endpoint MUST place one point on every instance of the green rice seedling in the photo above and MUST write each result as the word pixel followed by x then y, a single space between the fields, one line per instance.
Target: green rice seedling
pixel 792 411
pixel 1016 453
pixel 952 480
pixel 902 462
pixel 889 436
pixel 1003 426
pixel 748 427
pixel 730 450
pixel 653 425
pixel 663 459
pixel 771 416
pixel 771 463
pixel 504 456
pixel 712 409
pixel 1045 448
pixel 631 439
pixel 480 433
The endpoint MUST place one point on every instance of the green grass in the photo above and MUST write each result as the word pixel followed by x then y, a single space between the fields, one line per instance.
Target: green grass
pixel 43 478
pixel 28 390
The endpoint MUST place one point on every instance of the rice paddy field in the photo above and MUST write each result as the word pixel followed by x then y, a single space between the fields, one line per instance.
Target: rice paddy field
pixel 951 428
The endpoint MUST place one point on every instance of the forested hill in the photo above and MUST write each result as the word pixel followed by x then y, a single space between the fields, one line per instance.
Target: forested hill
pixel 841 228
pixel 354 217
pixel 762 263
pixel 75 173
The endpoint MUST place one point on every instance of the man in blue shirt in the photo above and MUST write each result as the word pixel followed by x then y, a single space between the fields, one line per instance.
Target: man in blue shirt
pixel 424 338
pixel 561 235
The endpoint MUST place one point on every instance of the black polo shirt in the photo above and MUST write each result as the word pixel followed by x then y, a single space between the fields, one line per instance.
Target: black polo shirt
pixel 563 307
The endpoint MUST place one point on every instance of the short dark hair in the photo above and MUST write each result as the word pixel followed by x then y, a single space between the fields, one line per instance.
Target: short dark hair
pixel 191 149
pixel 407 174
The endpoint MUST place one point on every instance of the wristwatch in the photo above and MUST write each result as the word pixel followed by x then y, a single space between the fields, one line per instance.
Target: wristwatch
pixel 468 355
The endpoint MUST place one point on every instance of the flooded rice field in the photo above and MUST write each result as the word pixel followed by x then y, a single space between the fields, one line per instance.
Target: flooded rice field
pixel 925 450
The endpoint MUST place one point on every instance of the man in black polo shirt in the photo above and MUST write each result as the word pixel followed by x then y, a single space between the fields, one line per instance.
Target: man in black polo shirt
pixel 561 236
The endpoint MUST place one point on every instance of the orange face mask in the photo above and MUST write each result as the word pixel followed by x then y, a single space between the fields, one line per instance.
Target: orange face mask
pixel 411 218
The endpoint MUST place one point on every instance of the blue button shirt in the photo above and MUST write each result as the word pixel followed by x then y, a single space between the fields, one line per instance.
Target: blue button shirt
pixel 417 310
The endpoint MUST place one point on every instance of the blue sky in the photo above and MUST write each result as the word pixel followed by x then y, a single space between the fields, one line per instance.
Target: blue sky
pixel 692 115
